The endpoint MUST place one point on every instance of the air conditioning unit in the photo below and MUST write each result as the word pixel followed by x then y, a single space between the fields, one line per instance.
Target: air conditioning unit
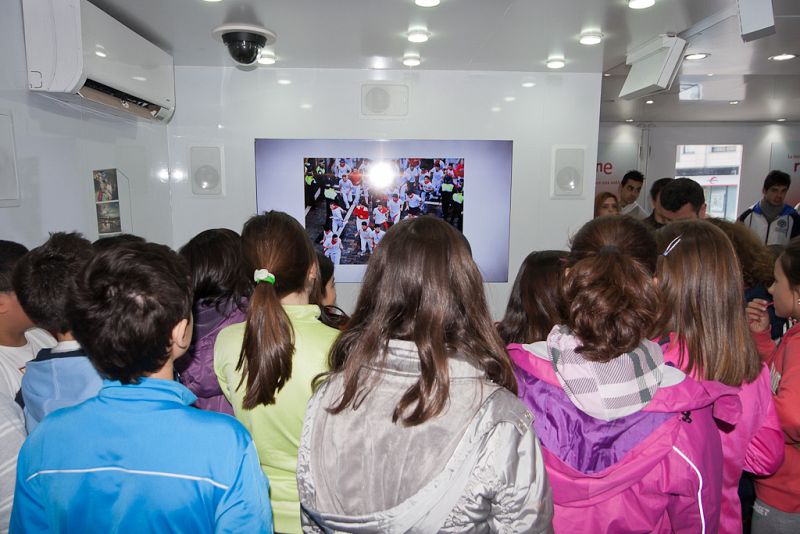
pixel 78 52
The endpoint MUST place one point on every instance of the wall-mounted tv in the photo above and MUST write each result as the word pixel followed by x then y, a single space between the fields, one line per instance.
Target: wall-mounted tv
pixel 348 193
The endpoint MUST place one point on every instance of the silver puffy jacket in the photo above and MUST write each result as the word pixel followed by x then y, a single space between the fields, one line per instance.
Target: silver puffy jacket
pixel 476 467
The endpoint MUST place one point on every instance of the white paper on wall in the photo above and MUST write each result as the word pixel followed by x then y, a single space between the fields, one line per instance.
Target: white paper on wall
pixel 9 183
pixel 786 157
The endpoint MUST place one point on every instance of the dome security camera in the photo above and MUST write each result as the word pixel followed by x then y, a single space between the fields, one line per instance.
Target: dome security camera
pixel 244 41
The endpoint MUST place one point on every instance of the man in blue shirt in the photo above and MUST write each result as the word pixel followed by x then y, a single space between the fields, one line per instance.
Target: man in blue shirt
pixel 137 457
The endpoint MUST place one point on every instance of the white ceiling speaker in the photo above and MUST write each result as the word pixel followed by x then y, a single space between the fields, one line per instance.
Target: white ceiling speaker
pixel 568 168
pixel 206 170
pixel 384 100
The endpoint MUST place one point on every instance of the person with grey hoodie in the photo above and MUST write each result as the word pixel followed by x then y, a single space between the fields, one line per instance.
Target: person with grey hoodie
pixel 417 427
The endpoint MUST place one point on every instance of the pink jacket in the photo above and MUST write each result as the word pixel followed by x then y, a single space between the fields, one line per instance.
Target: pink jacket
pixel 658 470
pixel 755 444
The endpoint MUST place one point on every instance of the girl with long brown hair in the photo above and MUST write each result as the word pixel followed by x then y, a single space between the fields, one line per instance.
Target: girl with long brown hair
pixel 630 443
pixel 417 427
pixel 266 365
pixel 700 281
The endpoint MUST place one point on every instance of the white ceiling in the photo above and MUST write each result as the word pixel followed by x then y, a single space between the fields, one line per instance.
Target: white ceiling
pixel 506 35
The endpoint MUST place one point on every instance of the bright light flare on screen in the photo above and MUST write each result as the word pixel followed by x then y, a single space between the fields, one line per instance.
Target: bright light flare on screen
pixel 381 175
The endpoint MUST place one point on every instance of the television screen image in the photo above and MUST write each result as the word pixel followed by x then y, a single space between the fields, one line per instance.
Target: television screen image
pixel 352 202
pixel 348 193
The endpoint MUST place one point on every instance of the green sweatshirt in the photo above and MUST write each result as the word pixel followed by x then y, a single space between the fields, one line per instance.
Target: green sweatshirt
pixel 276 428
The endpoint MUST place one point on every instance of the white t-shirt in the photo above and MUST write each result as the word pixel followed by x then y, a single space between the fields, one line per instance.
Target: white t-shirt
pixel 377 235
pixel 13 359
pixel 413 201
pixel 365 233
pixel 394 207
pixel 379 215
pixel 337 213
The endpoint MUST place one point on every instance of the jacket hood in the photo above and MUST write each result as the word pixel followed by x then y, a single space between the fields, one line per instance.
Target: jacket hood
pixel 589 460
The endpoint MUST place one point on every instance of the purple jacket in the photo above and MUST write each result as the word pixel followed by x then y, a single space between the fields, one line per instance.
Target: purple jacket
pixel 196 368
pixel 657 470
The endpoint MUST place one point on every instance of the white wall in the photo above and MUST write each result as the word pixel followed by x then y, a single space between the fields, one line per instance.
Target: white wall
pixel 663 138
pixel 230 108
pixel 58 146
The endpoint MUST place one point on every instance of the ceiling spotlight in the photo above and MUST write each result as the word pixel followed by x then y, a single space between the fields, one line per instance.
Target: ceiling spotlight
pixel 305 106
pixel 510 98
pixel 733 102
pixel 781 120
pixel 139 78
pixel 496 109
pixel 591 38
pixel 556 63
pixel 606 75
pixel 100 53
pixel 266 58
pixel 427 3
pixel 648 102
pixel 628 120
pixel 528 85
pixel 212 1
pixel 418 35
pixel 710 74
pixel 411 60
pixel 693 57
pixel 284 81
pixel 783 57
pixel 640 4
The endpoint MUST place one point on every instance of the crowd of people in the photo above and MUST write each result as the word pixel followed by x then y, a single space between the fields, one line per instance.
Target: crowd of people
pixel 642 381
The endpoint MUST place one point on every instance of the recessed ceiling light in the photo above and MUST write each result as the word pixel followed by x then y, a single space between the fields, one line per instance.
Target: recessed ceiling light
pixel 555 63
pixel 496 109
pixel 710 74
pixel 606 75
pixel 266 58
pixel 427 3
pixel 648 102
pixel 733 102
pixel 212 0
pixel 528 85
pixel 220 126
pixel 781 120
pixel 305 106
pixel 640 4
pixel 139 78
pixel 411 60
pixel 783 57
pixel 591 38
pixel 696 56
pixel 418 35
pixel 100 53
pixel 284 81
pixel 628 120
pixel 510 98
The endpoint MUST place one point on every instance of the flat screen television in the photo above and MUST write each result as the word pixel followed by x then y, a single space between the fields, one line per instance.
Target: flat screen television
pixel 348 193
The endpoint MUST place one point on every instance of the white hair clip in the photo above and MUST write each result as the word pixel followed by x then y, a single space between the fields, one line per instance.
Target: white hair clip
pixel 263 275
pixel 672 245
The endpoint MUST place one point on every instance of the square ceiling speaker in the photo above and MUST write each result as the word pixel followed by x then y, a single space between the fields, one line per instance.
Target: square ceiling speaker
pixel 384 100
pixel 568 168
pixel 206 170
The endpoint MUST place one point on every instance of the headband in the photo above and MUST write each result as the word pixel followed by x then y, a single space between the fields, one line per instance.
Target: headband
pixel 263 275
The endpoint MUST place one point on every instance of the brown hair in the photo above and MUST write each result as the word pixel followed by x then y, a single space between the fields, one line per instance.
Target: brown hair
pixel 421 285
pixel 273 241
pixel 612 300
pixel 703 303
pixel 755 258
pixel 790 262
pixel 602 197
pixel 535 304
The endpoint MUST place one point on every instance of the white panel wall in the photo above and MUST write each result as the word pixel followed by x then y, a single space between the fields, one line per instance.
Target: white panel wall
pixel 665 137
pixel 57 148
pixel 230 108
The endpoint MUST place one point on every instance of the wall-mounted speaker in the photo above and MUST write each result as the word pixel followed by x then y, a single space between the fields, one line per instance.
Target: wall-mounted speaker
pixel 206 170
pixel 384 100
pixel 568 168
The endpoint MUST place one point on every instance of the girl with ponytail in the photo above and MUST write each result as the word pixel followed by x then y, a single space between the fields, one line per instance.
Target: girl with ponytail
pixel 265 365
pixel 630 443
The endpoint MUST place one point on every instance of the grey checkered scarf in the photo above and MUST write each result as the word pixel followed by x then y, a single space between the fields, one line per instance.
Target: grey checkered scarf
pixel 608 390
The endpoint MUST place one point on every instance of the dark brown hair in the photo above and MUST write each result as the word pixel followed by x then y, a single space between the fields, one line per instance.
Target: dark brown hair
pixel 602 197
pixel 703 303
pixel 790 262
pixel 535 304
pixel 125 305
pixel 220 274
pixel 612 301
pixel 273 241
pixel 755 258
pixel 10 254
pixel 421 285
pixel 43 279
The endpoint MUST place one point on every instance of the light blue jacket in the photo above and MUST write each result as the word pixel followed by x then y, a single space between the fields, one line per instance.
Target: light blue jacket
pixel 138 458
